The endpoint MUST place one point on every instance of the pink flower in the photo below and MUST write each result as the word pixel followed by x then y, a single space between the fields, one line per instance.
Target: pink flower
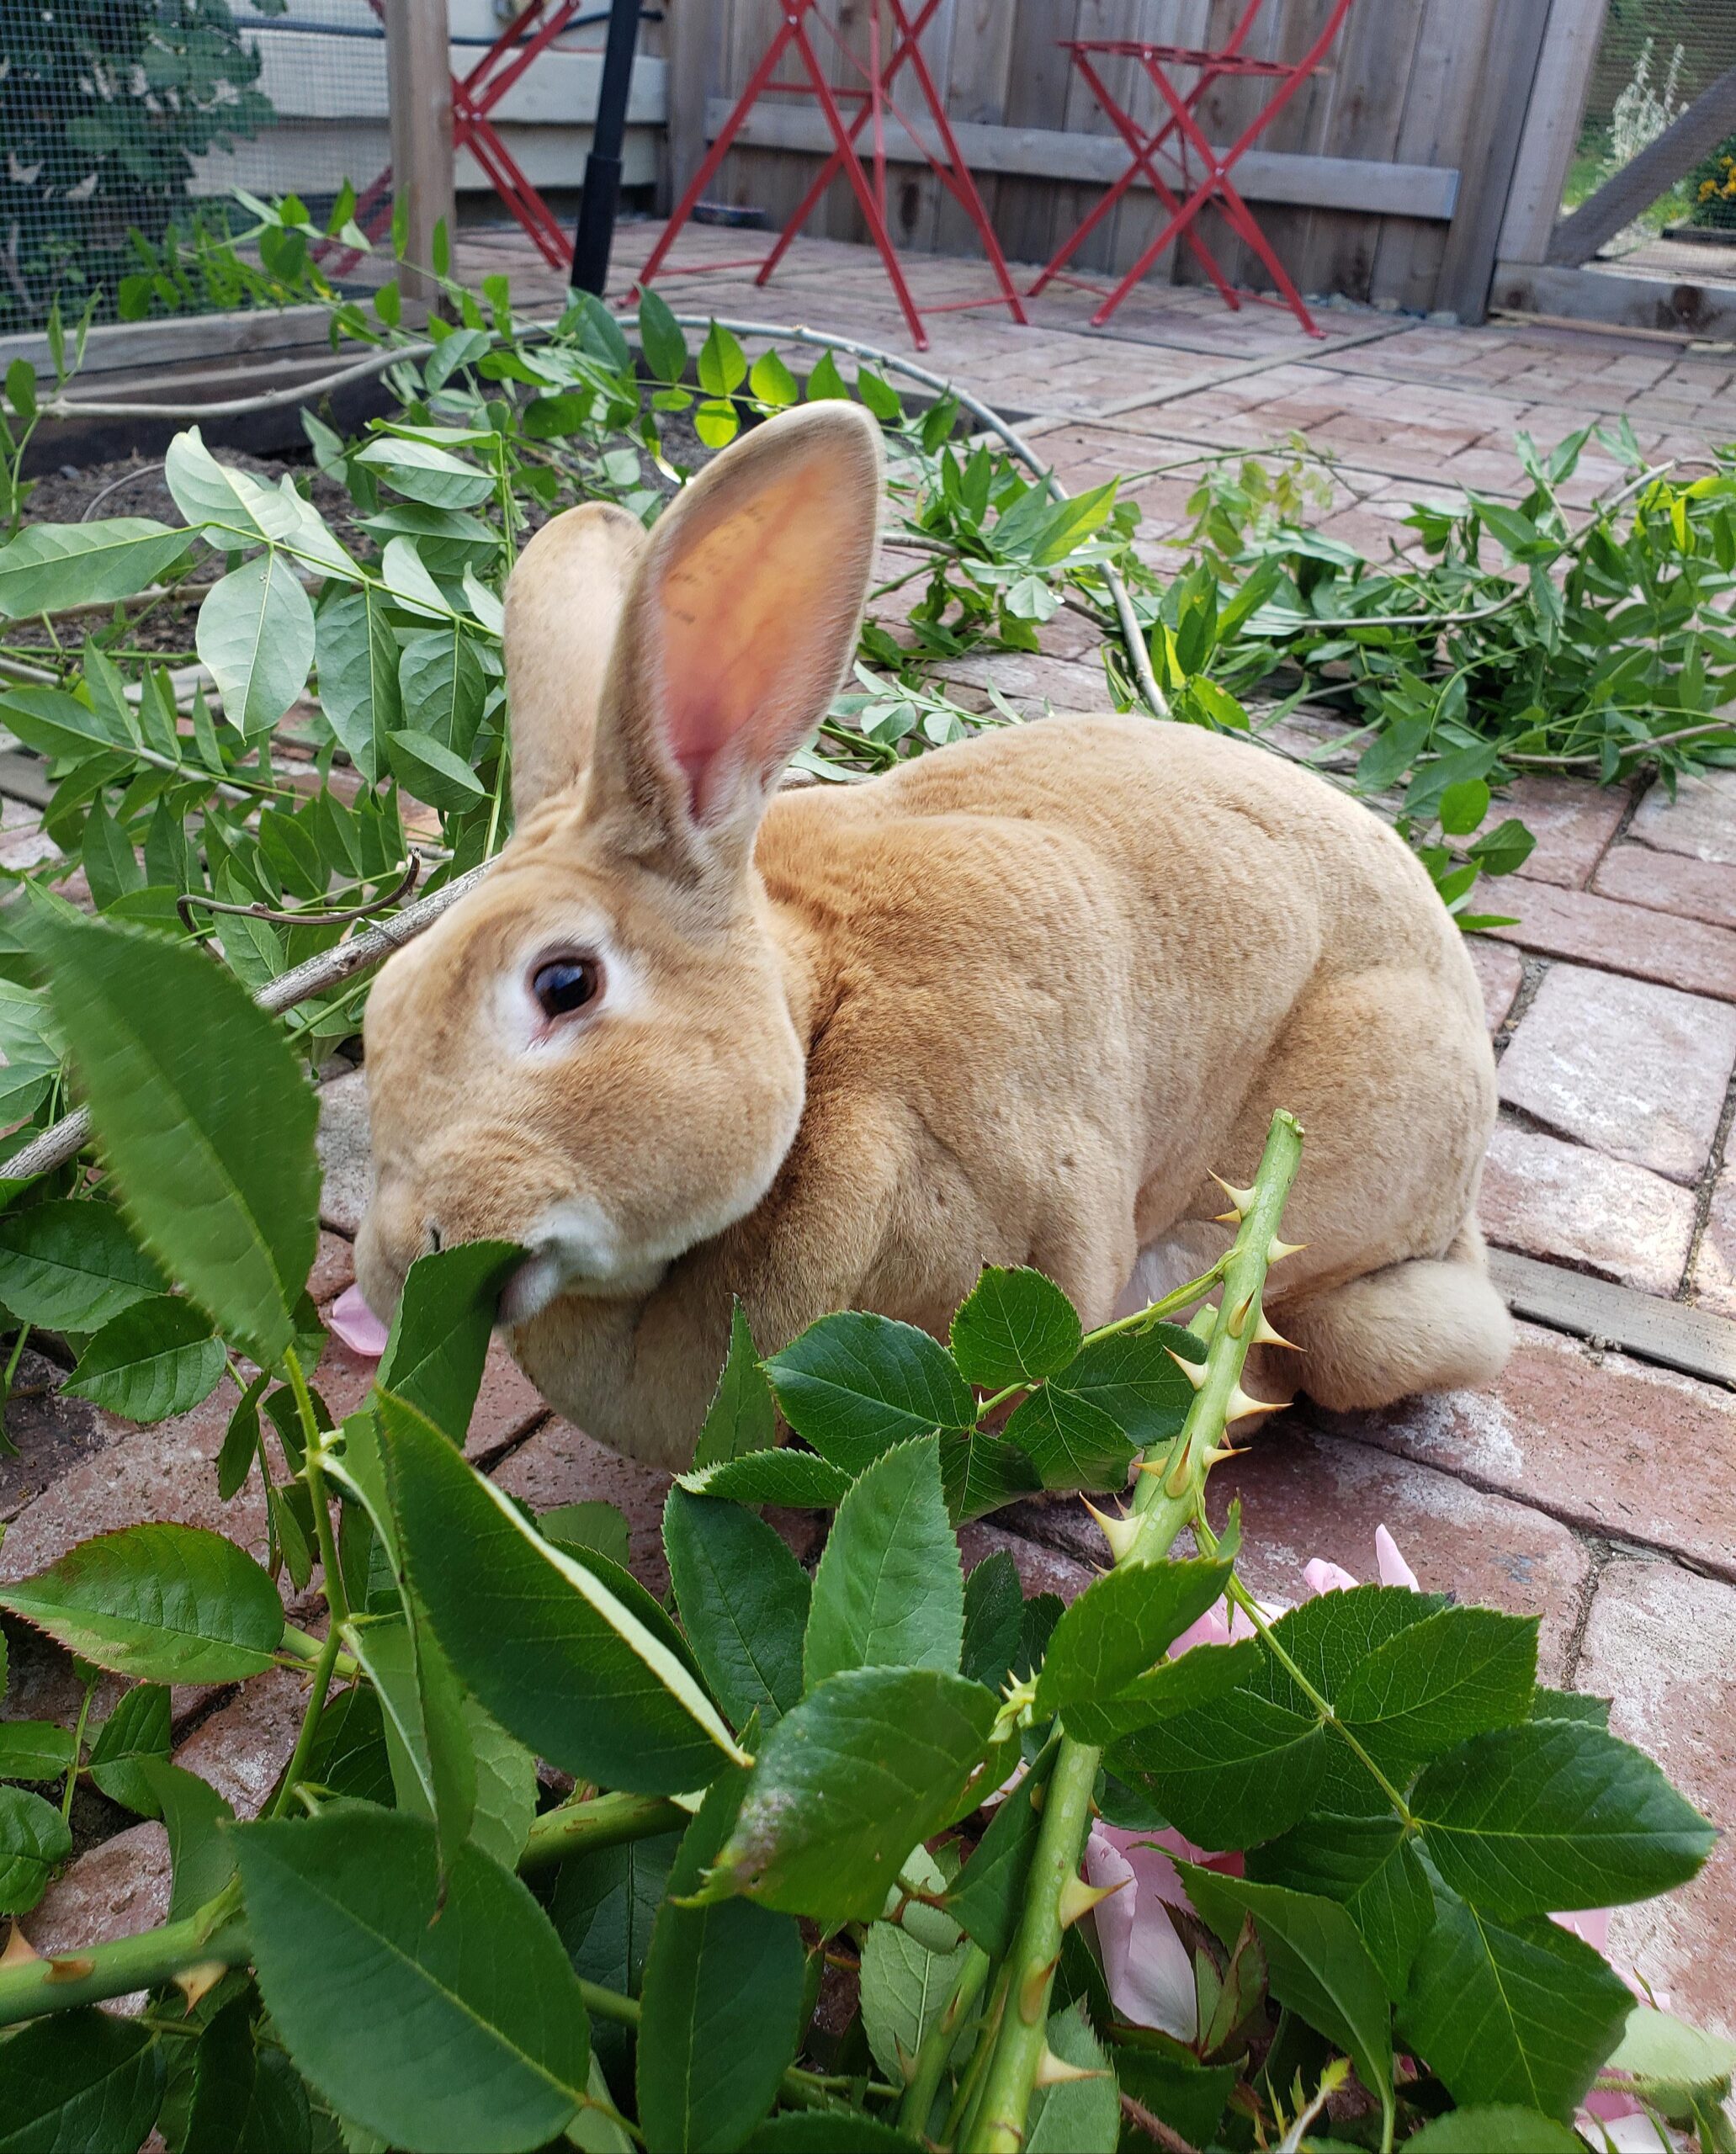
pixel 1148 1970
pixel 356 1325
pixel 1323 1577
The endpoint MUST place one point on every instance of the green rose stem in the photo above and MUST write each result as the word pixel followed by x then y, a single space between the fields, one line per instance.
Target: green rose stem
pixel 1166 1500
pixel 216 1933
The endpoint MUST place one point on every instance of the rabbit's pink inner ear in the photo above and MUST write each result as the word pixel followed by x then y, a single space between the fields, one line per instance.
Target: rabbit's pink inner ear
pixel 757 609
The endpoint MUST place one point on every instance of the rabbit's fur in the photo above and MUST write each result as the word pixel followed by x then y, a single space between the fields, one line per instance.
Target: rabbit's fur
pixel 1007 1004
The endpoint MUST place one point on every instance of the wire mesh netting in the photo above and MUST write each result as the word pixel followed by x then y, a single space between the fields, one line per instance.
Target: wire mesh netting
pixel 1653 59
pixel 126 124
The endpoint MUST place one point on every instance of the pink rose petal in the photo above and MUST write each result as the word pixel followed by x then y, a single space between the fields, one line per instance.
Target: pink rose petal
pixel 1148 1970
pixel 356 1325
pixel 1323 1577
pixel 1393 1568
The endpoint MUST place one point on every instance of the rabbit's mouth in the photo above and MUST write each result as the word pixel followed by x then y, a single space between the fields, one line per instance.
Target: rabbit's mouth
pixel 574 1249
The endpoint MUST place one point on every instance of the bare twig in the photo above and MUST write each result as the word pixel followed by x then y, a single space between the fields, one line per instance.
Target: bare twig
pixel 329 969
pixel 302 918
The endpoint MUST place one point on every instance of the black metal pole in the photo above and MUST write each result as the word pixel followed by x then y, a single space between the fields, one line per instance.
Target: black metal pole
pixel 602 168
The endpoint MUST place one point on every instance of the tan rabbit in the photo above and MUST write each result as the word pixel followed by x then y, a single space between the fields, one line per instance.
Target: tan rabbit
pixel 840 1047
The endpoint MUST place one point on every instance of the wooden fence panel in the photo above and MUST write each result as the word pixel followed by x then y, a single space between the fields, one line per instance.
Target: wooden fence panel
pixel 1402 90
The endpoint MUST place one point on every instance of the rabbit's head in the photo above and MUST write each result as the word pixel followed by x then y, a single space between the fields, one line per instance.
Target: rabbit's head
pixel 594 1053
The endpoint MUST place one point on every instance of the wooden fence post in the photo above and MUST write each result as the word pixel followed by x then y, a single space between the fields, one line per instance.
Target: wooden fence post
pixel 690 29
pixel 1488 158
pixel 419 88
pixel 1552 127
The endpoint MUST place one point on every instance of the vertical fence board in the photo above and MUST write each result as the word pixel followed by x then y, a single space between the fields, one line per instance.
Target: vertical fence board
pixel 1413 81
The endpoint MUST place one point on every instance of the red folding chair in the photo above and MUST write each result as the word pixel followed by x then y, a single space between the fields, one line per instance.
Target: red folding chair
pixel 474 96
pixel 874 100
pixel 1211 183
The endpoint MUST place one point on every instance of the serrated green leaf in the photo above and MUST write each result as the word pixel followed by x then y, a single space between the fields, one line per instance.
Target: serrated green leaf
pixel 71 1265
pixel 994 1616
pixel 723 365
pixel 137 1729
pixel 1318 1965
pixel 785 1475
pixel 1494 2130
pixel 1523 2014
pixel 1370 1867
pixel 34 1841
pixel 904 1986
pixel 49 566
pixel 989 1898
pixel 82 2080
pixel 721 2014
pixel 744 1601
pixel 855 1384
pixel 980 1472
pixel 1671 2060
pixel 1455 1675
pixel 1556 1815
pixel 194 1815
pixel 595 1526
pixel 865 1766
pixel 1070 1442
pixel 156 1358
pixel 168 1604
pixel 742 1416
pixel 1132 1378
pixel 34 1750
pixel 1230 1773
pixel 429 1739
pixel 1120 1626
pixel 246 2097
pixel 558 1659
pixel 1188 2096
pixel 1076 2116
pixel 475 2039
pixel 438 1342
pixel 183 1073
pixel 1014 1327
pixel 888 1591
pixel 1191 1680
pixel 255 637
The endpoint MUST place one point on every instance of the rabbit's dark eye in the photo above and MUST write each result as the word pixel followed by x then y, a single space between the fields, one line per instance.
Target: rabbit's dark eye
pixel 565 984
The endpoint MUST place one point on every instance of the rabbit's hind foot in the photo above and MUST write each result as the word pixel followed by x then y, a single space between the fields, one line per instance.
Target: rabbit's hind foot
pixel 1429 1324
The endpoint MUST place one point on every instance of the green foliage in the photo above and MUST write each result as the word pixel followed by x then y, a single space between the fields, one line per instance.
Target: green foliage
pixel 777 1773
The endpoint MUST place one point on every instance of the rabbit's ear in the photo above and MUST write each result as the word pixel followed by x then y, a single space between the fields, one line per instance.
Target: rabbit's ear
pixel 564 604
pixel 741 625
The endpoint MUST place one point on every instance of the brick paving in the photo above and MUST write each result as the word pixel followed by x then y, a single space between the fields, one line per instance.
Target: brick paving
pixel 1593 1486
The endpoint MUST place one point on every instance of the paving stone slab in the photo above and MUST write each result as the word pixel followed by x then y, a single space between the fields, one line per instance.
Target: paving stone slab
pixel 1041 1569
pixel 109 1891
pixel 167 1473
pixel 1572 820
pixel 52 1434
pixel 1307 1493
pixel 1499 971
pixel 1600 1441
pixel 344 1164
pixel 1700 822
pixel 1711 1284
pixel 559 1464
pixel 242 1746
pixel 1637 1070
pixel 1668 883
pixel 1622 938
pixel 1570 1205
pixel 1662 1643
pixel 334 1268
